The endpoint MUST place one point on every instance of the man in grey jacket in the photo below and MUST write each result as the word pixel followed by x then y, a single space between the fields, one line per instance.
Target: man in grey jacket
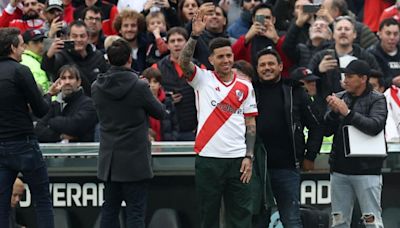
pixel 123 103
pixel 355 177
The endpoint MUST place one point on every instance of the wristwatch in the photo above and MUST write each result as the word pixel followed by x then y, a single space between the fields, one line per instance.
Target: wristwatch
pixel 251 157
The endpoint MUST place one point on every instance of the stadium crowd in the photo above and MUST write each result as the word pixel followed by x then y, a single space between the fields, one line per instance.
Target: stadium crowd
pixel 298 52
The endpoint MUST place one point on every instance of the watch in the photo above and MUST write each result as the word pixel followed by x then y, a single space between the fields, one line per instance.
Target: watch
pixel 251 157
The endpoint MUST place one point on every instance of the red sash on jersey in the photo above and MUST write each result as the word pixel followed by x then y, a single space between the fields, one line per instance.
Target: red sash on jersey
pixel 236 96
pixel 393 92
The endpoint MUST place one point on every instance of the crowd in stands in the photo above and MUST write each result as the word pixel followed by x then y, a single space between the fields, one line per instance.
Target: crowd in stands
pixel 66 42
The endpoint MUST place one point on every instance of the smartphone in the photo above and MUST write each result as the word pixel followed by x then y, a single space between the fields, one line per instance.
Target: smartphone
pixel 260 19
pixel 69 45
pixel 331 52
pixel 311 8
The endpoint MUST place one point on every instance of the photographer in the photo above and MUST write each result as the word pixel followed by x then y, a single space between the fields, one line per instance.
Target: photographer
pixel 79 52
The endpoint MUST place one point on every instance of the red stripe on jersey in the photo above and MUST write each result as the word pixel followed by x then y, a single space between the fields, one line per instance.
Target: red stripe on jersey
pixel 236 96
pixel 251 114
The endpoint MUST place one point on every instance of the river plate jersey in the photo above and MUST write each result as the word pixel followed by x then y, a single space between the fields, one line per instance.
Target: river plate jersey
pixel 221 108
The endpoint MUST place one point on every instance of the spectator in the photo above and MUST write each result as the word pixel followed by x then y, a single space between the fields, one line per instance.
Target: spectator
pixel 186 10
pixel 259 36
pixel 54 26
pixel 226 132
pixel 386 51
pixel 90 62
pixel 32 57
pixel 130 25
pixel 68 11
pixel 17 194
pixel 108 14
pixel 92 19
pixel 326 63
pixel 16 131
pixel 355 177
pixel 243 70
pixel 72 117
pixel 335 8
pixel 392 128
pixel 174 81
pixel 166 129
pixel 216 22
pixel 123 103
pixel 303 32
pixel 243 23
pixel 284 109
pixel 320 36
pixel 371 12
pixel 22 14
pixel 167 8
pixel 376 81
pixel 156 33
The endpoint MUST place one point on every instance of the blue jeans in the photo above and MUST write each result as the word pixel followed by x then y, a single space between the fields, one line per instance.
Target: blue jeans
pixel 286 188
pixel 135 196
pixel 25 156
pixel 345 189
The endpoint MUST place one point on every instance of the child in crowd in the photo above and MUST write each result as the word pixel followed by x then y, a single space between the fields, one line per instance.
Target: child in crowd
pixel 166 129
pixel 157 31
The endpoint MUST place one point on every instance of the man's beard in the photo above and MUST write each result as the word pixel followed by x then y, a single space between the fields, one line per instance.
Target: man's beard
pixel 30 15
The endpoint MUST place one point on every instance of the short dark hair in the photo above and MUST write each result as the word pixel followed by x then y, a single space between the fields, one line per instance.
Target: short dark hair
pixel 341 5
pixel 8 38
pixel 244 67
pixel 151 73
pixel 388 22
pixel 72 69
pixel 269 51
pixel 262 6
pixel 378 75
pixel 119 52
pixel 77 23
pixel 218 42
pixel 95 10
pixel 177 30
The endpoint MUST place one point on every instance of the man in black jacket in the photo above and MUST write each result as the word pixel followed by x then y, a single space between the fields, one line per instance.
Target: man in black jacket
pixel 355 177
pixel 283 137
pixel 72 117
pixel 386 51
pixel 19 148
pixel 326 63
pixel 90 62
pixel 123 103
pixel 173 81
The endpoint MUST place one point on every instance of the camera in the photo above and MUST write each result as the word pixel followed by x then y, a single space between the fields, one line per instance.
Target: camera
pixel 311 8
pixel 260 19
pixel 69 45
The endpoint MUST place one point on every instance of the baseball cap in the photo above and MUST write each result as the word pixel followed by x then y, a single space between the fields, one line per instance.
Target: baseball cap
pixel 54 4
pixel 303 73
pixel 359 67
pixel 33 35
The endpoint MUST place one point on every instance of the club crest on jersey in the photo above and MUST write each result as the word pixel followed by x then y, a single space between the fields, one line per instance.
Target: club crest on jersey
pixel 239 95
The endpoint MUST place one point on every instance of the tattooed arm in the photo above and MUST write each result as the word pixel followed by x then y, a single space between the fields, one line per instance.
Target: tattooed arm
pixel 186 56
pixel 198 26
pixel 250 135
pixel 247 163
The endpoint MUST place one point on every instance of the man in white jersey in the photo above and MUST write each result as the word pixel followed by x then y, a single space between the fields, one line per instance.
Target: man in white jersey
pixel 226 110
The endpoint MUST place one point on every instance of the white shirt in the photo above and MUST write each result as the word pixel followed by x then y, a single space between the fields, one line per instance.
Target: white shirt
pixel 221 112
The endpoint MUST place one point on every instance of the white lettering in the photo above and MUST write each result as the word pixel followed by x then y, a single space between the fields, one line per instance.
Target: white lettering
pixel 74 195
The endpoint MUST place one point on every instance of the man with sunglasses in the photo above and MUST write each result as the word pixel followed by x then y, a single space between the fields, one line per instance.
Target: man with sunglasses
pixel 22 14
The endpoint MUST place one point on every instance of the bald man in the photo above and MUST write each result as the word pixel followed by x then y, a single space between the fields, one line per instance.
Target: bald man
pixel 17 193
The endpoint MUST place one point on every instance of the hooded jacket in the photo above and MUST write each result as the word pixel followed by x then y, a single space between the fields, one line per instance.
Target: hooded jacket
pixel 123 104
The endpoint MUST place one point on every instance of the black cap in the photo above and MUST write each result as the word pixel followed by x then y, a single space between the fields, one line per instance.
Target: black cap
pixel 359 67
pixel 54 4
pixel 33 35
pixel 302 73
